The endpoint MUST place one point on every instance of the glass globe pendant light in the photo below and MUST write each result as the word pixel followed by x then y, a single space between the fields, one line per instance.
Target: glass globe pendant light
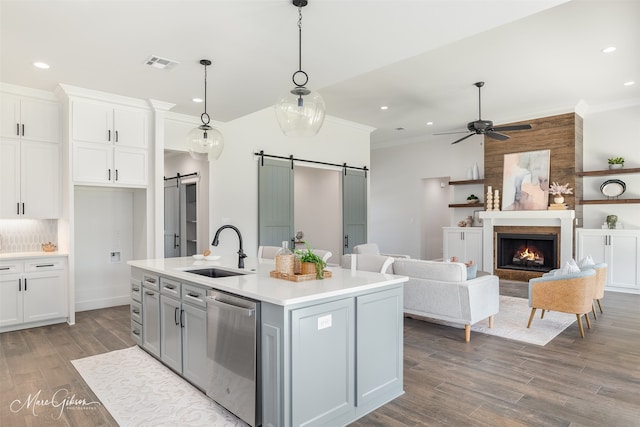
pixel 205 142
pixel 300 112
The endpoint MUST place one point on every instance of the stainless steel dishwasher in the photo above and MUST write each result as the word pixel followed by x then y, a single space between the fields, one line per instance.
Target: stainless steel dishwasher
pixel 232 353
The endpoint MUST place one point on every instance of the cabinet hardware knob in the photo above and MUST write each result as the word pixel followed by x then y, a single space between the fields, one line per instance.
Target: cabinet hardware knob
pixel 136 332
pixel 23 129
pixel 109 135
pixel 116 136
pixel 17 129
pixel 44 265
pixel 19 285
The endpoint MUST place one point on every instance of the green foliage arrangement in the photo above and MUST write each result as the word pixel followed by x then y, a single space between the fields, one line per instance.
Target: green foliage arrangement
pixel 472 197
pixel 616 161
pixel 308 256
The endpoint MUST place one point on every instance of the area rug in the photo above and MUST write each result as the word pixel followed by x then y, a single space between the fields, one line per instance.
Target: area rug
pixel 137 390
pixel 511 322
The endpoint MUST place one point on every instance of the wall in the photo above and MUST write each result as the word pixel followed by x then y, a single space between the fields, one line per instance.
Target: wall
pixel 435 200
pixel 318 208
pixel 233 179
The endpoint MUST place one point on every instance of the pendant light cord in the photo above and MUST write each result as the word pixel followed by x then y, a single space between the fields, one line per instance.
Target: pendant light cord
pixel 299 38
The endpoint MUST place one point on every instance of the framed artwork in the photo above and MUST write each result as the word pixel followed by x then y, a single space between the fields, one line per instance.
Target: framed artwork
pixel 525 183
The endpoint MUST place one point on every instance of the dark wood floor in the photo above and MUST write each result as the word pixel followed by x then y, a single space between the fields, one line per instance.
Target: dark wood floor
pixel 490 381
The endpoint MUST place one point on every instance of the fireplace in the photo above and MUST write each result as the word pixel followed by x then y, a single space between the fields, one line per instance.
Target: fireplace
pixel 527 252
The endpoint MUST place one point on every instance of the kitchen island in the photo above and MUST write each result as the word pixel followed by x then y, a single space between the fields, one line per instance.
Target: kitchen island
pixel 327 351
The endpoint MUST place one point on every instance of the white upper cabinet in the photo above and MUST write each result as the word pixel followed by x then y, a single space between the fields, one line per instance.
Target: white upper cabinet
pixel 29 118
pixel 102 123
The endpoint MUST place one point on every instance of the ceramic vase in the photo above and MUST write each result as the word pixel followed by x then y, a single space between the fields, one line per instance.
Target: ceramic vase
pixel 558 199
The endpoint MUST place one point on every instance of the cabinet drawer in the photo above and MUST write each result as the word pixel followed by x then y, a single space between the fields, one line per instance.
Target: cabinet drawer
pixel 136 332
pixel 170 287
pixel 194 295
pixel 136 311
pixel 44 264
pixel 151 282
pixel 11 267
pixel 136 290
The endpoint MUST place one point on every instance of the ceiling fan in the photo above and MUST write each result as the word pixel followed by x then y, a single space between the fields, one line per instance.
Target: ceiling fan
pixel 485 127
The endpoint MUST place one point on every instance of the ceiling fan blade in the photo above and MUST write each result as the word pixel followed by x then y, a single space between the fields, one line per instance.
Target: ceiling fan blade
pixel 451 133
pixel 498 136
pixel 463 138
pixel 514 127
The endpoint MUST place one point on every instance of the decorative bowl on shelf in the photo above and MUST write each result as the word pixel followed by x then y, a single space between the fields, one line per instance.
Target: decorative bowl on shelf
pixel 613 188
pixel 472 201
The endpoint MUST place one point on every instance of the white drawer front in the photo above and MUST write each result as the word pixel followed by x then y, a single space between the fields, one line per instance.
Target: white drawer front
pixel 11 267
pixel 44 264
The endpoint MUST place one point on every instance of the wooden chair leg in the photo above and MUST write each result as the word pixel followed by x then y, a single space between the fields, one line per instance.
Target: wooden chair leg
pixel 467 332
pixel 593 310
pixel 586 317
pixel 542 315
pixel 599 305
pixel 580 325
pixel 533 312
pixel 491 321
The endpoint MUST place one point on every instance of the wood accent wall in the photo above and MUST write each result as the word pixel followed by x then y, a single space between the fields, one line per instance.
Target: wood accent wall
pixel 561 134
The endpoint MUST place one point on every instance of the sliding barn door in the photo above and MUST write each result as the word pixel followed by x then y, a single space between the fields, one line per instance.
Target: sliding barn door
pixel 275 204
pixel 354 208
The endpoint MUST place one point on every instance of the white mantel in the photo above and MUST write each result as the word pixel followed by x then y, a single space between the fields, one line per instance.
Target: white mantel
pixel 549 218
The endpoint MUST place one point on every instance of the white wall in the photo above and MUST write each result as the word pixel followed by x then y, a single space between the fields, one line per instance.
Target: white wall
pixel 318 208
pixel 397 188
pixel 609 133
pixel 436 195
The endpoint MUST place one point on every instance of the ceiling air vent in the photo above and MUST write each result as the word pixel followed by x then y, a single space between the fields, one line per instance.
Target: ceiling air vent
pixel 161 63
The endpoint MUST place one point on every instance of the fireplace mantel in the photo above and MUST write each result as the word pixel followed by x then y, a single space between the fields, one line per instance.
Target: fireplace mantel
pixel 554 218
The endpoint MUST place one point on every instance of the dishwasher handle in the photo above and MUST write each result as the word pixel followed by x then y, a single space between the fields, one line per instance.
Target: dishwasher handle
pixel 246 311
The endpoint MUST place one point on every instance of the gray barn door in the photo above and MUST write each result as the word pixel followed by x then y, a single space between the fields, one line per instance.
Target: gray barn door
pixel 171 219
pixel 275 204
pixel 354 208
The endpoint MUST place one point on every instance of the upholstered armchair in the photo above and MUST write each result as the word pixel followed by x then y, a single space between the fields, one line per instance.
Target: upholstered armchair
pixel 372 249
pixel 601 282
pixel 368 262
pixel 568 293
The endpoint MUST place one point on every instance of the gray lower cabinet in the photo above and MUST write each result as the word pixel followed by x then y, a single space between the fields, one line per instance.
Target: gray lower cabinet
pixel 151 315
pixel 194 345
pixel 170 333
pixel 333 361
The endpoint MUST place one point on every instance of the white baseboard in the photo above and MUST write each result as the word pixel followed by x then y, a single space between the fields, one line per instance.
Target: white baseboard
pixel 103 303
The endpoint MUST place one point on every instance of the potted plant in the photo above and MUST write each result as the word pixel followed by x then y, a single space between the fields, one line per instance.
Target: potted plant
pixel 472 199
pixel 616 162
pixel 311 263
pixel 558 190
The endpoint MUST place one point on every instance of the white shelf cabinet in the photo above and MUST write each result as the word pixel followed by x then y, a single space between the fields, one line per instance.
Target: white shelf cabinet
pixel 33 292
pixel 23 117
pixel 109 144
pixel 463 242
pixel 29 179
pixel 620 249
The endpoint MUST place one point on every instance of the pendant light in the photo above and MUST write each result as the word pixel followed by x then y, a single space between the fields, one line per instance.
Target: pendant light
pixel 205 142
pixel 300 112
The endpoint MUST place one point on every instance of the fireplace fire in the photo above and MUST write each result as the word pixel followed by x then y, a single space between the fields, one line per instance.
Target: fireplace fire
pixel 531 252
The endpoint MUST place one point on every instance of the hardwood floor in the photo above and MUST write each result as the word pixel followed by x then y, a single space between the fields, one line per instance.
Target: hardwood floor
pixel 489 381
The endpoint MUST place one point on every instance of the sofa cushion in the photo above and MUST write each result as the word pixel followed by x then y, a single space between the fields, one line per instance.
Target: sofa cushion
pixel 435 270
pixel 472 271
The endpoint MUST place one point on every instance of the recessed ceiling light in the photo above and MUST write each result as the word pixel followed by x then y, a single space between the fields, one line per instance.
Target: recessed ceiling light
pixel 429 123
pixel 41 65
pixel 609 49
pixel 629 83
pixel 384 107
pixel 197 99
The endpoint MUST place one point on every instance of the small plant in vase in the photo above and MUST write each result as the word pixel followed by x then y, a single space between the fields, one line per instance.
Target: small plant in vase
pixel 558 191
pixel 472 199
pixel 616 162
pixel 308 257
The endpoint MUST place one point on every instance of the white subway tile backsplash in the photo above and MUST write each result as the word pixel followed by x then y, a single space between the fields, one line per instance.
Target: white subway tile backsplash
pixel 27 235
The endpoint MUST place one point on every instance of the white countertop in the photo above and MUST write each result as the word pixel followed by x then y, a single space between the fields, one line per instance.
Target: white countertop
pixel 260 286
pixel 25 255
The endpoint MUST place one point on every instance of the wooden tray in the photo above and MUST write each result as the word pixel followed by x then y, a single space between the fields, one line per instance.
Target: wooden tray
pixel 297 277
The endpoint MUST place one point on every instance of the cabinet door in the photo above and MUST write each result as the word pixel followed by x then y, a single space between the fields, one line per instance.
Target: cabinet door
pixel 40 179
pixel 39 120
pixel 10 300
pixel 45 296
pixel 594 245
pixel 453 245
pixel 473 247
pixel 130 166
pixel 170 333
pixel 91 122
pixel 9 116
pixel 92 163
pixel 130 127
pixel 323 362
pixel 151 321
pixel 623 261
pixel 379 348
pixel 9 178
pixel 194 345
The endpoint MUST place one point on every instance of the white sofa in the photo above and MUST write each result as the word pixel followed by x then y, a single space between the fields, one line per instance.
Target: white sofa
pixel 440 290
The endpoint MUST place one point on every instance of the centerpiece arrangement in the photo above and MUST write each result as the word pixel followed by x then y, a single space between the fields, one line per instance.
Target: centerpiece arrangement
pixel 616 162
pixel 299 266
pixel 558 191
pixel 472 199
pixel 310 263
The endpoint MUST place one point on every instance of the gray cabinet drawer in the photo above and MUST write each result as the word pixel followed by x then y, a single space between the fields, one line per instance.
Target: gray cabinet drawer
pixel 170 287
pixel 194 295
pixel 136 290
pixel 136 332
pixel 151 282
pixel 136 311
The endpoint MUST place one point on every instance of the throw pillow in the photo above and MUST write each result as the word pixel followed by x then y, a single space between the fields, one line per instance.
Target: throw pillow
pixel 586 261
pixel 472 271
pixel 570 267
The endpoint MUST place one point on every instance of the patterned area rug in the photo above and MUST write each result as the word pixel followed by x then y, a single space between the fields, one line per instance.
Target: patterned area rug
pixel 511 322
pixel 137 390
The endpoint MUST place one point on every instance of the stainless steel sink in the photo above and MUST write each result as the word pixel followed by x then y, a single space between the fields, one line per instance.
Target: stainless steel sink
pixel 215 272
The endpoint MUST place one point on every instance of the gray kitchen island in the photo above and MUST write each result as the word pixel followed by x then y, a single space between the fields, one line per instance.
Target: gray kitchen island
pixel 320 353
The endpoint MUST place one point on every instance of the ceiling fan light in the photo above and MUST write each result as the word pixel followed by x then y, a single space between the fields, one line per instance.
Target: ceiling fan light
pixel 300 115
pixel 205 143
